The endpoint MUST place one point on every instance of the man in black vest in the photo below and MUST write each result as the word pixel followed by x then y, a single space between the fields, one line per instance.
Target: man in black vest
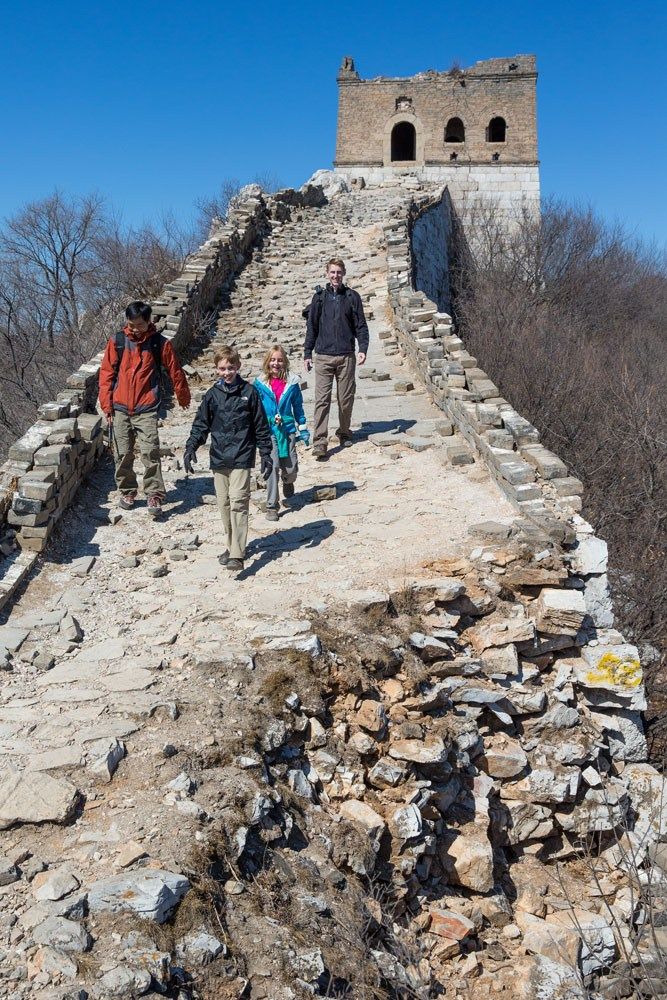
pixel 335 322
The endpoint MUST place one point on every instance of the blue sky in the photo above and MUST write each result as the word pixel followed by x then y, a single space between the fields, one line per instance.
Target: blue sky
pixel 152 104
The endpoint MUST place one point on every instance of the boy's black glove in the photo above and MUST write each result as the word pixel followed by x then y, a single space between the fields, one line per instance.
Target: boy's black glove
pixel 267 467
pixel 189 456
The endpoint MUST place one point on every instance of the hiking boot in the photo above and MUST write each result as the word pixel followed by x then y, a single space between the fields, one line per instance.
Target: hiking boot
pixel 234 565
pixel 320 455
pixel 127 501
pixel 345 440
pixel 272 515
pixel 288 490
pixel 154 506
pixel 223 558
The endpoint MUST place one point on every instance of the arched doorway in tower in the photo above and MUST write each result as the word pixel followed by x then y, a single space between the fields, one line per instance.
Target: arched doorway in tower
pixel 403 141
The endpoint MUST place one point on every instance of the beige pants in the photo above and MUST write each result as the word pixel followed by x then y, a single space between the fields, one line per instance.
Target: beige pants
pixel 128 431
pixel 232 488
pixel 327 368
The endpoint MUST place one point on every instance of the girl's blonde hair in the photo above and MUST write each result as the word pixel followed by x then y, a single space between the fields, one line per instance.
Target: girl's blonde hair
pixel 284 372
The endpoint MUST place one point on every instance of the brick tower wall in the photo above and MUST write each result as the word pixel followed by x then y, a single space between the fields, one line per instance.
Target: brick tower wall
pixel 508 171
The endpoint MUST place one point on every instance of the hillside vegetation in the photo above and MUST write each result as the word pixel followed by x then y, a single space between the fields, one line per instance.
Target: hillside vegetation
pixel 67 268
pixel 570 317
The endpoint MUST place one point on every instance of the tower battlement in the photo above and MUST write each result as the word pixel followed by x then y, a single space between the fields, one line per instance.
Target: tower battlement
pixel 474 128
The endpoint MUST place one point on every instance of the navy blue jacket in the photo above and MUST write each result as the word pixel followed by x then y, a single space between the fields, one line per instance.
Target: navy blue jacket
pixel 335 321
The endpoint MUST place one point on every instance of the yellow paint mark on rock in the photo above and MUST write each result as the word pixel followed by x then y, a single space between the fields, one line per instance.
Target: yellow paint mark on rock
pixel 621 671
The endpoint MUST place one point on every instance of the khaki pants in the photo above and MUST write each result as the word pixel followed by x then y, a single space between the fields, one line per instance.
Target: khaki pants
pixel 328 367
pixel 232 488
pixel 128 431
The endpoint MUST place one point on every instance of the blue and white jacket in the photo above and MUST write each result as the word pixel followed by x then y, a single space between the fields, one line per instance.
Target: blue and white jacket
pixel 290 410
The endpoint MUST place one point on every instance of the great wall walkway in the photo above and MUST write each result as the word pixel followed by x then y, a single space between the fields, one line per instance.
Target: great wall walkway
pixel 342 773
pixel 161 619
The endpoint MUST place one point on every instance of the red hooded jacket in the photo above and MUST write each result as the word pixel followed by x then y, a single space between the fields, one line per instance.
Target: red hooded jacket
pixel 136 388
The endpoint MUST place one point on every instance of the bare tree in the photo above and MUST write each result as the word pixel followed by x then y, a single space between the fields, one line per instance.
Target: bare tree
pixel 214 208
pixel 51 244
pixel 137 262
pixel 67 269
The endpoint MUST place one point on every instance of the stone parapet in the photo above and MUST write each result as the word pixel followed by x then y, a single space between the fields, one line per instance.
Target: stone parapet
pixel 533 478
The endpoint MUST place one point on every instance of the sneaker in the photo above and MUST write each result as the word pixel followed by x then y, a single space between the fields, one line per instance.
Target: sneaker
pixel 288 490
pixel 272 515
pixel 234 565
pixel 154 506
pixel 128 500
pixel 223 559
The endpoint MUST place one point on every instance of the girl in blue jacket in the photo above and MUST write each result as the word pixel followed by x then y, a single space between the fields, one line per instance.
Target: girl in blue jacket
pixel 283 404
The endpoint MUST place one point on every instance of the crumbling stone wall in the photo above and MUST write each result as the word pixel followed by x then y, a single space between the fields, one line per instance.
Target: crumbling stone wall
pixel 533 478
pixel 461 389
pixel 425 760
pixel 48 463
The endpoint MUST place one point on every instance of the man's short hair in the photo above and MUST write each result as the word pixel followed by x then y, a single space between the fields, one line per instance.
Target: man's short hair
pixel 138 310
pixel 338 262
pixel 228 354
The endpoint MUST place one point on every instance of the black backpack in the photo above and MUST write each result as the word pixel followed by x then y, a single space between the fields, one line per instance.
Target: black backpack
pixel 319 291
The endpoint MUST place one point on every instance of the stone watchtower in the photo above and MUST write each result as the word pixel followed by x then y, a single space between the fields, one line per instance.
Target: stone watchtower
pixel 474 129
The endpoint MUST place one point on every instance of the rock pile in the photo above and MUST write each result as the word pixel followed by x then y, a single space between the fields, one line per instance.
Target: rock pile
pixel 443 777
pixel 469 749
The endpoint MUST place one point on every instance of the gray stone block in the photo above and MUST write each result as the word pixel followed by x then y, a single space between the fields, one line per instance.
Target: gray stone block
pixel 52 455
pixel 547 464
pixel 54 410
pixel 459 454
pixel 34 438
pixel 27 505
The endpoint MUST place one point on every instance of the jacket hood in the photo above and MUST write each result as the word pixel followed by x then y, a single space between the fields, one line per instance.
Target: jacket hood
pixel 230 390
pixel 139 338
pixel 264 380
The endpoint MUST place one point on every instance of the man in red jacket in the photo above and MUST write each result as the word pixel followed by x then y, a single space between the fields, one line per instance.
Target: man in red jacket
pixel 130 399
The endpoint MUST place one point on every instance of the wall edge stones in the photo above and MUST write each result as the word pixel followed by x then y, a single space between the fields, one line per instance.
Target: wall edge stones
pixel 534 479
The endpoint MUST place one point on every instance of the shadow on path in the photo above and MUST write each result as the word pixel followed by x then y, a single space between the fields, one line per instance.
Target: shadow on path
pixel 370 427
pixel 305 536
pixel 188 492
pixel 90 510
pixel 306 497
